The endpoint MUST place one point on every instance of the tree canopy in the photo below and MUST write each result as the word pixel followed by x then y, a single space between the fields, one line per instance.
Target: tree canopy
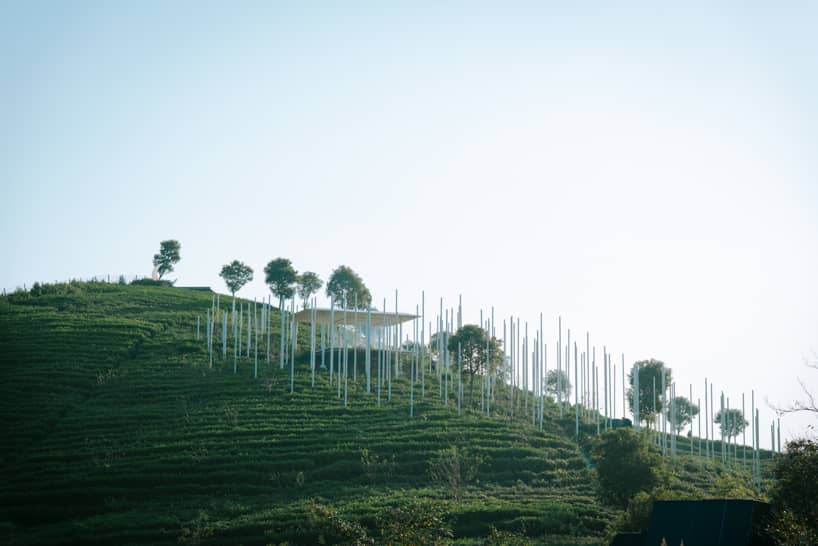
pixel 345 287
pixel 557 381
pixel 472 341
pixel 734 422
pixel 168 256
pixel 680 413
pixel 794 494
pixel 649 371
pixel 308 284
pixel 625 465
pixel 236 274
pixel 280 276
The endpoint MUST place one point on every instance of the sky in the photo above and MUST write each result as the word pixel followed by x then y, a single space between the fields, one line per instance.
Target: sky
pixel 645 171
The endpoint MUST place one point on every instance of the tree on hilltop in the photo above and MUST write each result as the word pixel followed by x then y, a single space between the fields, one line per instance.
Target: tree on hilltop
pixel 680 413
pixel 280 276
pixel 557 382
pixel 650 401
pixel 345 287
pixel 472 340
pixel 168 256
pixel 236 274
pixel 731 422
pixel 308 284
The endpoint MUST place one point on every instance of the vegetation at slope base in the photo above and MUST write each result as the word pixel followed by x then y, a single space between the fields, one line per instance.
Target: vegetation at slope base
pixel 117 431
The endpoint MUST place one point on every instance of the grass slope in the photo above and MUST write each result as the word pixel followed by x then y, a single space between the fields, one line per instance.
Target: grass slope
pixel 116 431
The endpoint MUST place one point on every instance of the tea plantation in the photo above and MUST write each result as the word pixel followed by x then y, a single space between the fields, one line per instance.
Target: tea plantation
pixel 115 430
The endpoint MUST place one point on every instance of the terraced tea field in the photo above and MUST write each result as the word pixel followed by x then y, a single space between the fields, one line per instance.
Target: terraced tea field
pixel 116 431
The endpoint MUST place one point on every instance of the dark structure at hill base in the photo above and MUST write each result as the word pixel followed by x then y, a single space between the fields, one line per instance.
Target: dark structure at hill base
pixel 702 523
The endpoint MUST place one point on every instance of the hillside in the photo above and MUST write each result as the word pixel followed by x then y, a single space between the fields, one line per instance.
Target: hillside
pixel 116 431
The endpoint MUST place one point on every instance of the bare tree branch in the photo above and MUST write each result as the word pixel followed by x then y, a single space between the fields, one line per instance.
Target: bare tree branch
pixel 810 404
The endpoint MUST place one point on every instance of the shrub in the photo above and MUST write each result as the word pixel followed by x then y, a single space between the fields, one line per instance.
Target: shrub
pixel 625 465
pixel 150 282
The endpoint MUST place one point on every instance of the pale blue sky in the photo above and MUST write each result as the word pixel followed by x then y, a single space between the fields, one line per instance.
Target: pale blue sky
pixel 646 171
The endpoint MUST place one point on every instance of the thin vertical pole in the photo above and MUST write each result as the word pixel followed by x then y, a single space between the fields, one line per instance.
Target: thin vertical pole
pixel 422 343
pixel 281 332
pixel 355 348
pixel 294 330
pixel 255 354
pixel 331 339
pixel 368 363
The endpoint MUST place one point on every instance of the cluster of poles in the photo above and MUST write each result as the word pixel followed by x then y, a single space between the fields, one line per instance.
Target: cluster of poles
pixel 600 391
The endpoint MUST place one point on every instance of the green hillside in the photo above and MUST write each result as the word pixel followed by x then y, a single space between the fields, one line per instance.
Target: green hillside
pixel 116 431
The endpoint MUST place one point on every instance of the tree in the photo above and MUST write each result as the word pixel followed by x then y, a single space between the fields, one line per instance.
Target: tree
pixel 625 465
pixel 345 287
pixel 308 284
pixel 733 422
pixel 680 413
pixel 168 256
pixel 472 342
pixel 557 381
pixel 650 371
pixel 236 274
pixel 280 277
pixel 793 496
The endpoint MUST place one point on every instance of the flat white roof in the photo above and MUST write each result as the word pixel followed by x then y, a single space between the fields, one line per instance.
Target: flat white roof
pixel 341 317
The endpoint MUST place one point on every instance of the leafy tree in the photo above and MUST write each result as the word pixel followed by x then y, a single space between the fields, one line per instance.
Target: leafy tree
pixel 472 341
pixel 625 465
pixel 308 284
pixel 280 277
pixel 794 494
pixel 680 413
pixel 733 424
pixel 168 256
pixel 346 286
pixel 557 381
pixel 236 274
pixel 649 405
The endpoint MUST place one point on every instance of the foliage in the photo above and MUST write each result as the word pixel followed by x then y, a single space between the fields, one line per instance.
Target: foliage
pixel 472 341
pixel 650 371
pixel 346 287
pixel 420 523
pixel 150 282
pixel 308 284
pixel 795 493
pixel 333 528
pixel 556 382
pixel 735 485
pixel 280 276
pixel 168 256
pixel 731 421
pixel 435 340
pixel 625 465
pixel 135 434
pixel 375 467
pixel 198 529
pixel 680 413
pixel 454 468
pixel 507 538
pixel 236 274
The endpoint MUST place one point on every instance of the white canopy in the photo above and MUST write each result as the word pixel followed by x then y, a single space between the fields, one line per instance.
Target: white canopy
pixel 350 317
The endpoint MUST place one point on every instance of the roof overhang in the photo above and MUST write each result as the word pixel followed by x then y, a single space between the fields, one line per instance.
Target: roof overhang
pixel 350 317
